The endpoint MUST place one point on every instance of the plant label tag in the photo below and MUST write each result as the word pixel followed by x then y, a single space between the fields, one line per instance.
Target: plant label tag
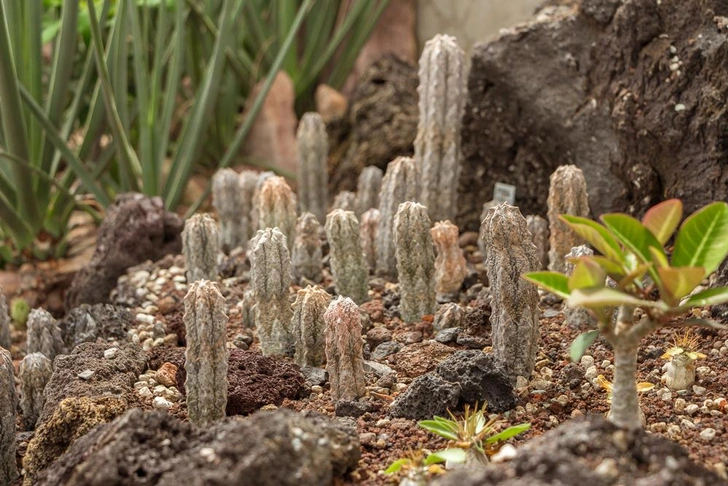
pixel 504 193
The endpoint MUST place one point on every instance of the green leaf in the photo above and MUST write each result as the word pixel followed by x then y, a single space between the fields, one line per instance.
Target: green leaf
pixel 706 297
pixel 680 281
pixel 587 273
pixel 613 269
pixel 554 282
pixel 662 219
pixel 633 235
pixel 582 343
pixel 437 427
pixel 596 235
pixel 397 465
pixel 608 297
pixel 659 258
pixel 454 454
pixel 514 430
pixel 703 238
pixel 704 323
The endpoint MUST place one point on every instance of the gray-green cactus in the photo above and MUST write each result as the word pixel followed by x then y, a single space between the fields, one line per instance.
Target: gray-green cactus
pixel 34 372
pixel 270 273
pixel 227 198
pixel 8 404
pixel 567 195
pixel 308 325
pixel 277 207
pixel 539 229
pixel 200 246
pixel 450 266
pixel 345 200
pixel 5 341
pixel 344 355
pixel 346 257
pixel 415 262
pixel 367 189
pixel 514 303
pixel 206 357
pixel 306 253
pixel 368 230
pixel 44 335
pixel 260 178
pixel 441 104
pixel 313 152
pixel 247 180
pixel 400 184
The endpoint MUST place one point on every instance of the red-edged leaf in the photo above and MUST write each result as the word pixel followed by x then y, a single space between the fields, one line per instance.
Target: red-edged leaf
pixel 680 281
pixel 662 219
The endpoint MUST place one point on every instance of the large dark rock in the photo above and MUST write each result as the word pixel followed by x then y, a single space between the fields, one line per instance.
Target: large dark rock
pixel 631 91
pixel 427 396
pixel 590 451
pixel 136 228
pixel 86 323
pixel 380 125
pixel 270 448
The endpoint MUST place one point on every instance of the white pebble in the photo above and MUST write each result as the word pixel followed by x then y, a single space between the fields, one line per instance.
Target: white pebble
pixel 587 361
pixel 110 353
pixel 86 374
pixel 145 392
pixel 692 409
pixel 506 453
pixel 698 390
pixel 161 403
pixel 591 373
pixel 680 405
pixel 679 107
pixel 707 434
pixel 145 318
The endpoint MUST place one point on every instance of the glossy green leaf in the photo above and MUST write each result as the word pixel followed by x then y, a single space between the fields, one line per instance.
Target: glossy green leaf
pixel 662 219
pixel 554 282
pixel 633 235
pixel 587 273
pixel 613 269
pixel 659 258
pixel 511 431
pixel 439 428
pixel 703 238
pixel 680 281
pixel 397 465
pixel 582 343
pixel 714 296
pixel 596 234
pixel 607 297
pixel 454 454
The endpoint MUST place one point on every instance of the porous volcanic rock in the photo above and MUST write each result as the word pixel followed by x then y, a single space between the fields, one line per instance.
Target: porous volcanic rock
pixel 136 228
pixel 86 323
pixel 630 91
pixel 427 396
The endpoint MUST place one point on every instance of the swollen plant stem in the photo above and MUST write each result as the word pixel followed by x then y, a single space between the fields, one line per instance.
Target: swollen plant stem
pixel 625 404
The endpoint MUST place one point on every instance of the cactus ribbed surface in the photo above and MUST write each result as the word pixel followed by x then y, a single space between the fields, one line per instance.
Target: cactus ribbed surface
pixel 313 152
pixel 437 145
pixel 578 317
pixel 270 274
pixel 539 229
pixel 309 326
pixel 260 178
pixel 567 195
pixel 450 267
pixel 368 230
pixel 306 253
pixel 8 404
pixel 367 189
pixel 200 246
pixel 5 340
pixel 206 357
pixel 44 335
pixel 400 184
pixel 348 266
pixel 514 302
pixel 344 355
pixel 34 372
pixel 345 200
pixel 277 207
pixel 415 262
pixel 227 198
pixel 247 180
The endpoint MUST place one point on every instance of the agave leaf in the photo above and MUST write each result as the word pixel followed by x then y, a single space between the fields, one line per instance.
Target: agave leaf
pixel 554 282
pixel 703 238
pixel 662 219
pixel 581 343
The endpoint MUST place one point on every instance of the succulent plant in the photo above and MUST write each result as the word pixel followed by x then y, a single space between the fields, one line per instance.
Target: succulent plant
pixel 227 198
pixel 276 205
pixel 567 195
pixel 368 230
pixel 313 179
pixel 306 254
pixel 450 266
pixel 200 246
pixel 344 354
pixel 367 189
pixel 539 229
pixel 345 200
pixel 309 326
pixel 34 372
pixel 346 256
pixel 8 405
pixel 44 335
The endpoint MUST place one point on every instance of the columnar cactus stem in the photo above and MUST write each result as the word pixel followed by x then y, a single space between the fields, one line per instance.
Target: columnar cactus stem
pixel 368 230
pixel 345 200
pixel 261 177
pixel 437 146
pixel 567 195
pixel 306 253
pixel 450 266
pixel 415 261
pixel 367 189
pixel 270 273
pixel 227 197
pixel 8 404
pixel 344 356
pixel 348 266
pixel 578 317
pixel 44 335
pixel 514 316
pixel 206 358
pixel 5 341
pixel 400 184
pixel 539 229
pixel 200 246
pixel 309 326
pixel 247 180
pixel 277 207
pixel 35 371
pixel 313 179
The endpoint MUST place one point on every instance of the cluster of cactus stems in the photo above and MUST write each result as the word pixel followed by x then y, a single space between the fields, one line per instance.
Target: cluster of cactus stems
pixel 200 246
pixel 367 189
pixel 567 195
pixel 344 354
pixel 441 103
pixel 309 326
pixel 415 261
pixel 306 253
pixel 345 200
pixel 206 358
pixel 5 340
pixel 348 266
pixel 400 184
pixel 276 205
pixel 313 151
pixel 34 372
pixel 539 229
pixel 450 266
pixel 227 198
pixel 270 273
pixel 368 230
pixel 514 315
pixel 8 404
pixel 44 335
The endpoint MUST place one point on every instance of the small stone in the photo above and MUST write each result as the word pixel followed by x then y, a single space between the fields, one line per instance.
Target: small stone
pixel 540 385
pixel 145 318
pixel 378 335
pixel 563 400
pixel 707 434
pixel 110 353
pixel 166 374
pixel 667 396
pixel 587 361
pixel 699 390
pixel 161 403
pixel 472 342
pixel 85 375
pixel 680 405
pixel 367 438
pixel 148 344
pixel 166 305
pixel 658 427
pixel 412 337
pixel 607 468
pixel 145 392
pixel 448 335
pixel 506 453
pixel 606 363
pixel 692 409
pixel 317 389
pixel 386 349
pixel 591 373
pixel 687 424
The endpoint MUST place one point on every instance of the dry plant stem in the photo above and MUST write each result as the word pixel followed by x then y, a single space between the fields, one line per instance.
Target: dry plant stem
pixel 8 404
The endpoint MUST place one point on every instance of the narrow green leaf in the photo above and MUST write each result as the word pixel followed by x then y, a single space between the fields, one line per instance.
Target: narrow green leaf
pixel 554 282
pixel 714 296
pixel 662 219
pixel 587 273
pixel 607 297
pixel 454 454
pixel 596 235
pixel 397 465
pixel 438 428
pixel 703 238
pixel 514 430
pixel 582 343
pixel 680 281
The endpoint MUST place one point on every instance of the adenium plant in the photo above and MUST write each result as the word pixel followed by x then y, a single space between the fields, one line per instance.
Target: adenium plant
pixel 633 286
